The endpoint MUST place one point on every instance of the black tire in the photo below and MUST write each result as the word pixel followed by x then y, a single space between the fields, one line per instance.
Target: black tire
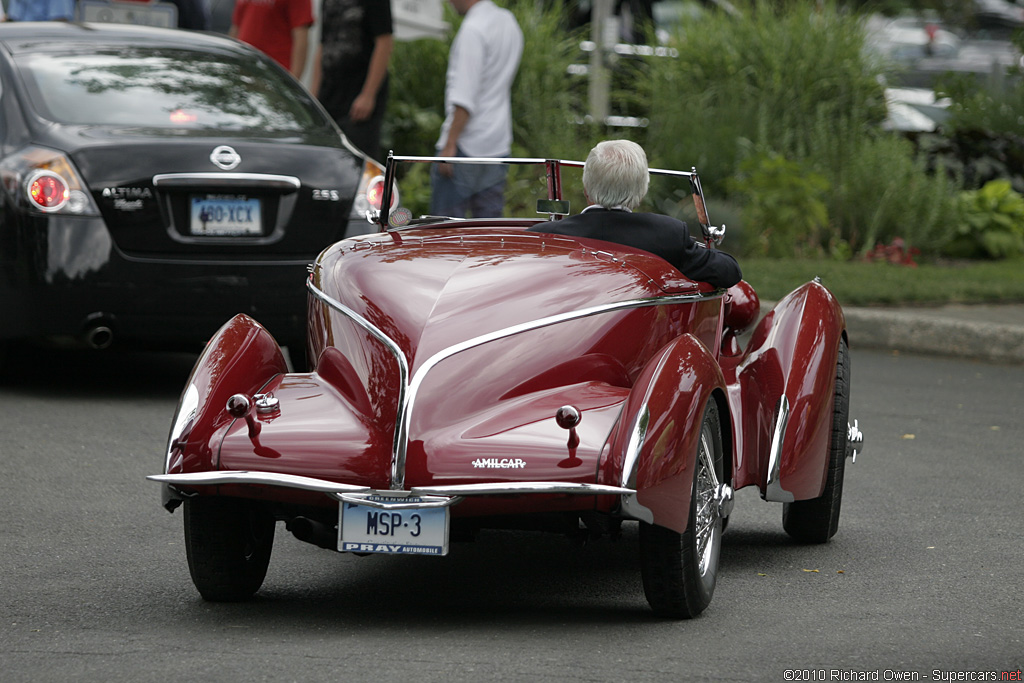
pixel 817 520
pixel 228 543
pixel 680 570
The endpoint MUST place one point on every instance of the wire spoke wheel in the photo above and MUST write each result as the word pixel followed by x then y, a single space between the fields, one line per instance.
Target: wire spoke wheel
pixel 708 521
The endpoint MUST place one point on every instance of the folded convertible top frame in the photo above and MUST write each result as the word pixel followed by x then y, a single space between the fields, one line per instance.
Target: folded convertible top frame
pixel 712 234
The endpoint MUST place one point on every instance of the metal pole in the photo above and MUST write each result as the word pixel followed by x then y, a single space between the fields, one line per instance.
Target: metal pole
pixel 599 81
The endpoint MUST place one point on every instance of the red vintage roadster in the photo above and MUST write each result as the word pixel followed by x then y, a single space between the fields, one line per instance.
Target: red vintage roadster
pixel 471 374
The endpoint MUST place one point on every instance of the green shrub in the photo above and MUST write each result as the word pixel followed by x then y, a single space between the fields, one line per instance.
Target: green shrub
pixel 992 105
pixel 784 205
pixel 879 190
pixel 993 223
pixel 984 136
pixel 783 79
pixel 546 104
pixel 765 78
pixel 416 103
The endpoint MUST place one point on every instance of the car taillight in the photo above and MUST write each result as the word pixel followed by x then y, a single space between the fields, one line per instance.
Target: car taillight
pixel 375 194
pixel 45 180
pixel 48 191
pixel 371 192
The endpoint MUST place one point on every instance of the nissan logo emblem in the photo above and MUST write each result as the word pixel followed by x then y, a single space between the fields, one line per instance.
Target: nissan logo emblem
pixel 225 158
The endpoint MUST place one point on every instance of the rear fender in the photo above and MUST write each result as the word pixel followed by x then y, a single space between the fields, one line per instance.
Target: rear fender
pixel 786 383
pixel 655 446
pixel 241 358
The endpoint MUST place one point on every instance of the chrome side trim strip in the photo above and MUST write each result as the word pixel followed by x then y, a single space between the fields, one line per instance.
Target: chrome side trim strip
pixel 285 183
pixel 291 481
pixel 409 389
pixel 773 490
pixel 397 476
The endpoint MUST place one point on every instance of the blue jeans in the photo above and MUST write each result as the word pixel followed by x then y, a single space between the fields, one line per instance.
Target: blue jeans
pixel 473 189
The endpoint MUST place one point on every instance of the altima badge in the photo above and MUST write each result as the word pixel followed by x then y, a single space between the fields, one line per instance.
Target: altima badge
pixel 225 158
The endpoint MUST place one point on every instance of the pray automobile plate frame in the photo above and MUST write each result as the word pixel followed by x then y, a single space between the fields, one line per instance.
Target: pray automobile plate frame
pixel 396 525
pixel 225 215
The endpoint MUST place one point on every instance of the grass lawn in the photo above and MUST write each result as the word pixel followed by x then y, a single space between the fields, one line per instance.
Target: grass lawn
pixel 863 284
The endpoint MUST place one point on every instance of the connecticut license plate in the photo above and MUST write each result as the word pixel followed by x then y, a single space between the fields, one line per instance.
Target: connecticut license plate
pixel 409 531
pixel 225 215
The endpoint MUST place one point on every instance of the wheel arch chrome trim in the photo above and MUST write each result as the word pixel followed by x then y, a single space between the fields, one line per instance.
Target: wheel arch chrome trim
pixel 630 461
pixel 773 490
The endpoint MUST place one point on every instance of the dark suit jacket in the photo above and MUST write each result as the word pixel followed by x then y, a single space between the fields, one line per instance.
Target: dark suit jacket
pixel 664 236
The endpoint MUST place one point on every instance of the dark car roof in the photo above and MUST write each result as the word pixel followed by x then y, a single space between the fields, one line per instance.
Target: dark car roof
pixel 61 36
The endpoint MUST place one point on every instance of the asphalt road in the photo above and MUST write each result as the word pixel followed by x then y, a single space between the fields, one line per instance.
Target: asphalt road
pixel 923 579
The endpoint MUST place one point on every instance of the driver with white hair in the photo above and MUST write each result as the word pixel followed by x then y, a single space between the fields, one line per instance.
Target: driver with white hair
pixel 615 180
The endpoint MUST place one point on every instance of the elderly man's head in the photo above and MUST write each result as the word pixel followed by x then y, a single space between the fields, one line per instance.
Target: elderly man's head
pixel 616 174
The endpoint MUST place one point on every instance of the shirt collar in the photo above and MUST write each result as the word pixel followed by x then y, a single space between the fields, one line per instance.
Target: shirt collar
pixel 598 207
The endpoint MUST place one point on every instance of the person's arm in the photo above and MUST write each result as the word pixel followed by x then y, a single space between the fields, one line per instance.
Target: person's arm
pixel 318 66
pixel 710 265
pixel 366 101
pixel 300 48
pixel 460 118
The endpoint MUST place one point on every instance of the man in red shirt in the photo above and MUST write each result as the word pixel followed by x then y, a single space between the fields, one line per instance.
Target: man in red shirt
pixel 279 28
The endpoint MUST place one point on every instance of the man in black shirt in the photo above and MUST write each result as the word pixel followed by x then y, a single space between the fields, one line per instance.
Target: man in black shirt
pixel 350 69
pixel 615 180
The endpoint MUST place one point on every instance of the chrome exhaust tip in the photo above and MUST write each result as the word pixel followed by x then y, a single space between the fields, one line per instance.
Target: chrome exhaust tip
pixel 99 337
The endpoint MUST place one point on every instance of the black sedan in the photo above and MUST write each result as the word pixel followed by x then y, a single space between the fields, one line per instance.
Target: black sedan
pixel 157 182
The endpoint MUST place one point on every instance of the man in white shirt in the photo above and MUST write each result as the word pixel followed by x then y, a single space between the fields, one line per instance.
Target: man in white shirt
pixel 482 65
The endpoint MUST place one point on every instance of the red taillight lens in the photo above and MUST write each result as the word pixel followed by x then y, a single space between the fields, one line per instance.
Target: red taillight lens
pixel 375 194
pixel 45 180
pixel 48 191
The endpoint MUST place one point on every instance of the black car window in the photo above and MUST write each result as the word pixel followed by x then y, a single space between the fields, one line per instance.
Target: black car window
pixel 166 88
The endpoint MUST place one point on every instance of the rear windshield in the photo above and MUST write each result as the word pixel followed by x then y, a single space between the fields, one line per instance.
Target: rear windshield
pixel 167 88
